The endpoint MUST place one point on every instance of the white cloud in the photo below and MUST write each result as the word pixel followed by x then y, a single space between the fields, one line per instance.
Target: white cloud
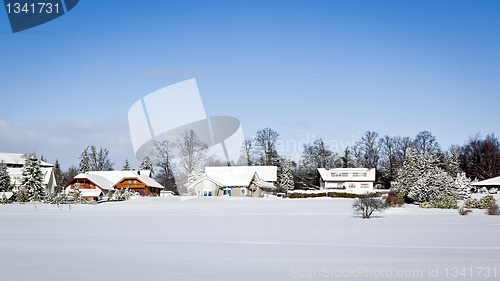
pixel 65 140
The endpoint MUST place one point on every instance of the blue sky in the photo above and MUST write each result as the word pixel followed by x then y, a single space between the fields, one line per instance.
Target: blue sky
pixel 308 69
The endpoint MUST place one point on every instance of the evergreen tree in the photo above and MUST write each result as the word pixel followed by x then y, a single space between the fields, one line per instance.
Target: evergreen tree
pixel 452 163
pixel 431 185
pixel 408 174
pixel 5 184
pixel 462 184
pixel 146 164
pixel 347 159
pixel 59 177
pixel 76 193
pixel 286 182
pixel 32 178
pixel 21 195
pixel 126 166
pixel 84 165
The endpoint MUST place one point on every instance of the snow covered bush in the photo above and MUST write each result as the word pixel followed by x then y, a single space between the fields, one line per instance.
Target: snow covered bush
pixel 365 205
pixel 393 199
pixel 493 210
pixel 21 195
pixel 463 211
pixel 472 203
pixel 441 202
pixel 61 198
pixel 4 199
pixel 76 194
pixel 493 190
pixel 486 202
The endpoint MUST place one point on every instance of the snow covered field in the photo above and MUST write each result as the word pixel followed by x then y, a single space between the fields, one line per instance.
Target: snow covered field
pixel 244 239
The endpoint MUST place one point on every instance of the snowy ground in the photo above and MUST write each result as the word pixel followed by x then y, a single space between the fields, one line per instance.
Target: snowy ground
pixel 244 239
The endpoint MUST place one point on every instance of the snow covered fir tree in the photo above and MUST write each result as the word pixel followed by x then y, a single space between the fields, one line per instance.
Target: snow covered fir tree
pixel 31 181
pixel 5 184
pixel 286 181
pixel 422 179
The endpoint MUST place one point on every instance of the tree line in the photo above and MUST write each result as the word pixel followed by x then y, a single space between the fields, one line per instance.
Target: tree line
pixel 478 158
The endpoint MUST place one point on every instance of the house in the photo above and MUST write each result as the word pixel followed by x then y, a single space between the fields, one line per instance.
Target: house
pixel 349 180
pixel 244 181
pixel 15 164
pixel 488 184
pixel 94 185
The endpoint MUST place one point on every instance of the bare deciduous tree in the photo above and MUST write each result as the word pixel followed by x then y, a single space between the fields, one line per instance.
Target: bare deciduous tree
pixel 162 155
pixel 266 140
pixel 426 142
pixel 317 154
pixel 365 205
pixel 367 150
pixel 192 151
pixel 95 160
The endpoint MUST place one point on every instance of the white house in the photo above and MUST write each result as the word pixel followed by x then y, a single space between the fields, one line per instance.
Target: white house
pixel 247 181
pixel 349 180
pixel 15 164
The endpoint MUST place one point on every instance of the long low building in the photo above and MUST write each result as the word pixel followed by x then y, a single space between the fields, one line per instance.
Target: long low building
pixel 246 181
pixel 489 183
pixel 349 180
pixel 94 185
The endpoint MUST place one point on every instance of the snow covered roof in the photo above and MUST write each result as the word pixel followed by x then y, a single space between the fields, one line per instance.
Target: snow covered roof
pixel 46 172
pixel 146 180
pixel 347 174
pixel 90 192
pixel 101 181
pixel 492 181
pixel 108 179
pixel 18 159
pixel 238 173
pixel 265 184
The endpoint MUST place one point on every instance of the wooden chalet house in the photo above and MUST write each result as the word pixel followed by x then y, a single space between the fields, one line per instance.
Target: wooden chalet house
pixel 95 185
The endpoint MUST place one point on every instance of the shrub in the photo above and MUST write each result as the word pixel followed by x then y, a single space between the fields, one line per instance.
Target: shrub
pixel 493 210
pixel 472 203
pixel 442 202
pixel 365 205
pixel 463 211
pixel 486 202
pixel 393 199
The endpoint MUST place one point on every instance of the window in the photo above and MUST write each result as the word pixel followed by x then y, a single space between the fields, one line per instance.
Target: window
pixel 207 193
pixel 363 174
pixel 352 185
pixel 364 185
pixel 336 174
pixel 226 191
pixel 129 181
pixel 354 175
pixel 345 175
pixel 135 181
pixel 242 192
